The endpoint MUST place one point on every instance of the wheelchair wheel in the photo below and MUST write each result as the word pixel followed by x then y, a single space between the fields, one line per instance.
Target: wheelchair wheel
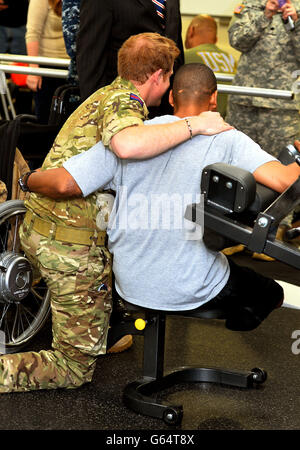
pixel 24 302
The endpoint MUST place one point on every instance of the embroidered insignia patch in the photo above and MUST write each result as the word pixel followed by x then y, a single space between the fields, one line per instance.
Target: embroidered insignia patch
pixel 137 98
pixel 238 9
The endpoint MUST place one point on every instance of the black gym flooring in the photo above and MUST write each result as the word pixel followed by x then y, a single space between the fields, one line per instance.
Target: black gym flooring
pixel 98 406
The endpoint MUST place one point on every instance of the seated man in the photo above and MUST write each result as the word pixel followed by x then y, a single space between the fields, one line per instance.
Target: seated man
pixel 158 263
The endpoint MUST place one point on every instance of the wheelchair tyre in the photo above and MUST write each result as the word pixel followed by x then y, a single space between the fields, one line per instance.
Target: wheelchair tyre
pixel 24 304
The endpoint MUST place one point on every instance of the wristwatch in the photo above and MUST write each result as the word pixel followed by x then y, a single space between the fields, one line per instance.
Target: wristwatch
pixel 24 179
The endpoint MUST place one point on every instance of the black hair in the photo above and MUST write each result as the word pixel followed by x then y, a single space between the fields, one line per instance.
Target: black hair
pixel 193 82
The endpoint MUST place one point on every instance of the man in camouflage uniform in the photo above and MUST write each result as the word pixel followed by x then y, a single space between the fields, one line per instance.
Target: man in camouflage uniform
pixel 200 44
pixel 61 238
pixel 270 59
pixel 3 192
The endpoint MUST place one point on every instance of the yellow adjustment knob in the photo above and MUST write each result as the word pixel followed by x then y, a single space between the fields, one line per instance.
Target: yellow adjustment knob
pixel 140 324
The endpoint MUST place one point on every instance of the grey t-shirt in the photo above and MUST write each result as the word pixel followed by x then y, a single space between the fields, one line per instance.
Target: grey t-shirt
pixel 160 260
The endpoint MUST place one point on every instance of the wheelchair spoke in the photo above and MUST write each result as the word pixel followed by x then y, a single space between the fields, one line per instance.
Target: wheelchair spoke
pixel 20 318
pixel 23 320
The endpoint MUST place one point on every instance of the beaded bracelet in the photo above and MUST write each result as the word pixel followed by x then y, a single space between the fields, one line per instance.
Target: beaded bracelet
pixel 189 127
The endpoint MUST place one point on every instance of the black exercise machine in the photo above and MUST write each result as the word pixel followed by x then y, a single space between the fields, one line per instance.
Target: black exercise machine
pixel 236 210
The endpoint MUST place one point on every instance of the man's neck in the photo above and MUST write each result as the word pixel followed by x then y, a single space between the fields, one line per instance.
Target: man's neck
pixel 143 89
pixel 189 110
pixel 198 40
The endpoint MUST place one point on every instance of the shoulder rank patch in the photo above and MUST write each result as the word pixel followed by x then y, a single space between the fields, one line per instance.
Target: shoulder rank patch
pixel 137 98
pixel 239 9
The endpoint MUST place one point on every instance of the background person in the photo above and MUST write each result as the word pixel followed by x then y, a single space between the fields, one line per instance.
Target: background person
pixel 103 28
pixel 44 37
pixel 270 58
pixel 13 17
pixel 200 44
pixel 270 55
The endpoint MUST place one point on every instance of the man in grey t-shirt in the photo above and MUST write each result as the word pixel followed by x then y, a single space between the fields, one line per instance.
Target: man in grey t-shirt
pixel 158 262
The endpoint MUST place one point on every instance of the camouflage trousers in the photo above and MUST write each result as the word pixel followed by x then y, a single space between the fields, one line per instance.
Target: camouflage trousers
pixel 272 129
pixel 78 278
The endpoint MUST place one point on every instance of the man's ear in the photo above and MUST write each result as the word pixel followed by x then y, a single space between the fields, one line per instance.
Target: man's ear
pixel 213 101
pixel 171 98
pixel 155 77
pixel 188 37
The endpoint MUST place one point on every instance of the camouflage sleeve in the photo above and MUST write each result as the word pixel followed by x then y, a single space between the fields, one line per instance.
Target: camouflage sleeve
pixel 247 25
pixel 295 35
pixel 3 192
pixel 122 112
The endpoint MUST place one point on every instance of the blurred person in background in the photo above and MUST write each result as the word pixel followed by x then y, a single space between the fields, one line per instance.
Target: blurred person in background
pixel 13 17
pixel 105 25
pixel 200 44
pixel 270 58
pixel 44 37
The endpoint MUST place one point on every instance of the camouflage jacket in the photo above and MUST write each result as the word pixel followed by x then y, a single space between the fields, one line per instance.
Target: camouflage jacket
pixel 3 192
pixel 100 117
pixel 270 55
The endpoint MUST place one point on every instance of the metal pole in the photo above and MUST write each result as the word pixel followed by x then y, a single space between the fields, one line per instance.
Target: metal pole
pixel 256 92
pixel 5 96
pixel 222 77
pixel 43 60
pixel 222 88
pixel 54 73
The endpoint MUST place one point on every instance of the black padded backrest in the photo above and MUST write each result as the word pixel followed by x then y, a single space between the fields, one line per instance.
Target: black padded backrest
pixel 264 197
pixel 9 134
pixel 228 188
pixel 244 194
pixel 64 102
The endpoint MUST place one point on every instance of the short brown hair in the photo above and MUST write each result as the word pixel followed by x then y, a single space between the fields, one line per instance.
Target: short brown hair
pixel 143 54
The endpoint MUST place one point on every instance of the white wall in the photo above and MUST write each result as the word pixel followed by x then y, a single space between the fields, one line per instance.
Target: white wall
pixel 220 8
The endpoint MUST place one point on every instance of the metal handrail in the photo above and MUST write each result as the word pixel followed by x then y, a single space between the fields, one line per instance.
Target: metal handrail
pixel 251 91
pixel 224 77
pixel 256 92
pixel 43 72
pixel 222 88
pixel 43 60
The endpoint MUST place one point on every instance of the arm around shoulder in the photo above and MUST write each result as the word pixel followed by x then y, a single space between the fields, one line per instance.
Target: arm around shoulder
pixel 54 183
pixel 141 142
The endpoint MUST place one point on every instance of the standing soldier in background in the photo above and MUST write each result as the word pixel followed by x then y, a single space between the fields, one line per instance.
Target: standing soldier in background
pixel 200 44
pixel 270 58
